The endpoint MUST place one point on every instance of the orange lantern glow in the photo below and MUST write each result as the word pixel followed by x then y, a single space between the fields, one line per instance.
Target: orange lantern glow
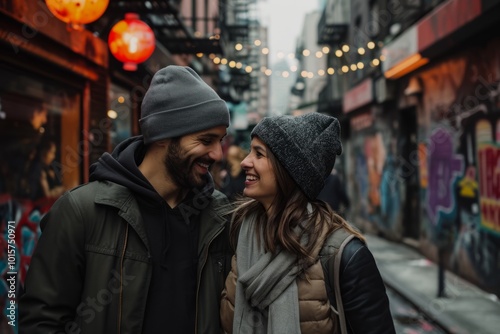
pixel 76 13
pixel 131 41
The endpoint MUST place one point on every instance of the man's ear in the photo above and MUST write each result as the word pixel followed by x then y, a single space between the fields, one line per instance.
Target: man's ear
pixel 162 143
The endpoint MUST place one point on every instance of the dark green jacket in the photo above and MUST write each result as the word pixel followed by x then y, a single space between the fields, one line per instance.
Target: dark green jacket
pixel 91 270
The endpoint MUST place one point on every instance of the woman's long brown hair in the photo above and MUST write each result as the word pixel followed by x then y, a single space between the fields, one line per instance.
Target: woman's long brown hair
pixel 288 210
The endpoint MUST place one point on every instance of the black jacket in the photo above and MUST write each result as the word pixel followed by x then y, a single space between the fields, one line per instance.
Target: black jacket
pixel 366 305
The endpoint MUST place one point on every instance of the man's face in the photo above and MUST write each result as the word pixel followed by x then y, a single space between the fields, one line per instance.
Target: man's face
pixel 189 158
pixel 39 117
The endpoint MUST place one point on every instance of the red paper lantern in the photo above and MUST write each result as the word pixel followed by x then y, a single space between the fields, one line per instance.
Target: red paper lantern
pixel 76 13
pixel 131 41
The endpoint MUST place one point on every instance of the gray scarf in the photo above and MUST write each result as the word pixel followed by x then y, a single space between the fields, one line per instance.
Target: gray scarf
pixel 266 291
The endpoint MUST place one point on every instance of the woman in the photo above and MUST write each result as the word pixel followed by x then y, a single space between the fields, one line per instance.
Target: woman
pixel 281 273
pixel 45 179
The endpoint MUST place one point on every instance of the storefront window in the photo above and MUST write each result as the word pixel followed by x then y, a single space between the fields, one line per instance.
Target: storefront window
pixel 120 113
pixel 40 136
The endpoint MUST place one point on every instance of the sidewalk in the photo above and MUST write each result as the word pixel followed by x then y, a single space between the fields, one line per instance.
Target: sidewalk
pixel 466 310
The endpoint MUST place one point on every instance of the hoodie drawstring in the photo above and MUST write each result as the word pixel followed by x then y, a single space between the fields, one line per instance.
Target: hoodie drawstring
pixel 121 279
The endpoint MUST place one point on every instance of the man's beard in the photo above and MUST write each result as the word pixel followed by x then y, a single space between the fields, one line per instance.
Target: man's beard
pixel 180 168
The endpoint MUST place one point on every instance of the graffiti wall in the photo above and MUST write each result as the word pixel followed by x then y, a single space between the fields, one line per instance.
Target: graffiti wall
pixel 19 233
pixel 459 162
pixel 377 178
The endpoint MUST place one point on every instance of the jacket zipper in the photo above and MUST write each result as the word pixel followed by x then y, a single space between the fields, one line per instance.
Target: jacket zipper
pixel 125 241
pixel 199 278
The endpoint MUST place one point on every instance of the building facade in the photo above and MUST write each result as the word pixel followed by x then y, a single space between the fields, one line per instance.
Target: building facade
pixel 63 92
pixel 422 120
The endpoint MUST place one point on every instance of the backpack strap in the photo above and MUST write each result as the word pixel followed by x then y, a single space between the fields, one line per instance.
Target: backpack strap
pixel 336 284
pixel 333 248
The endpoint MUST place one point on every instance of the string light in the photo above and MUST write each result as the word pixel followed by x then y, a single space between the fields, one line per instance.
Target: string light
pixel 341 52
pixel 324 50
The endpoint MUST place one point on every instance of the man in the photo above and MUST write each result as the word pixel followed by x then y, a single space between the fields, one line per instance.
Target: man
pixel 334 193
pixel 143 247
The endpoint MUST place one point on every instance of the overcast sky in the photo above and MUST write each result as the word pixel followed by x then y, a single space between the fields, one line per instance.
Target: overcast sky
pixel 284 19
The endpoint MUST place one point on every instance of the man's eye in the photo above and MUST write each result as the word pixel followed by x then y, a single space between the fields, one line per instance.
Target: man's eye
pixel 206 141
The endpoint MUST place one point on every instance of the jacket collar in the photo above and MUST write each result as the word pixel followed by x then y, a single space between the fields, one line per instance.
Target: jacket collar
pixel 120 197
pixel 212 219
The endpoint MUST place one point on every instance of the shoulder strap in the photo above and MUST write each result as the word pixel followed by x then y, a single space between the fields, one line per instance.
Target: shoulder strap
pixel 333 247
pixel 336 284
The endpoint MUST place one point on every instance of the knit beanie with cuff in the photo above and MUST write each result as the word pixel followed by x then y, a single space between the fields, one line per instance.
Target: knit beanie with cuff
pixel 306 146
pixel 179 102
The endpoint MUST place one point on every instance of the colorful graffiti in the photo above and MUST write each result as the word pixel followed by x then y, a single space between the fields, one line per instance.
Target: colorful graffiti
pixel 489 177
pixel 378 179
pixel 460 161
pixel 444 168
pixel 26 216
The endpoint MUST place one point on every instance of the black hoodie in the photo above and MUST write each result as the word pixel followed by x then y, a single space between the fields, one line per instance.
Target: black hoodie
pixel 173 240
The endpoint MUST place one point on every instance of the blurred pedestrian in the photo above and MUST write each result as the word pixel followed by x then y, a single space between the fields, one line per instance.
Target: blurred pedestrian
pixel 143 247
pixel 281 274
pixel 334 194
pixel 234 182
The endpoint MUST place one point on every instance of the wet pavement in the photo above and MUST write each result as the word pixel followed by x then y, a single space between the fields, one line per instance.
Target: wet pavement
pixel 466 310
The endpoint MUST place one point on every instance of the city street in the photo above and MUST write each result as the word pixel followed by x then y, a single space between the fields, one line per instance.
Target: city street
pixel 130 122
pixel 408 319
pixel 411 282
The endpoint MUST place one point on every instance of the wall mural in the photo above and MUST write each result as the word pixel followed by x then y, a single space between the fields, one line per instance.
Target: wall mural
pixel 26 216
pixel 378 187
pixel 459 154
pixel 444 167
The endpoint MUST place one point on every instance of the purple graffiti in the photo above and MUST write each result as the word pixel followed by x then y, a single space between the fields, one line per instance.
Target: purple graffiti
pixel 444 166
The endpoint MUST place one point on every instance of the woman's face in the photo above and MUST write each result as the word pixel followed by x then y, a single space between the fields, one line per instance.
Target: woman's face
pixel 50 155
pixel 260 182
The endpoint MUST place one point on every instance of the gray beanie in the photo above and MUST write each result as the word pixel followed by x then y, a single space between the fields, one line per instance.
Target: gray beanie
pixel 306 146
pixel 179 102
